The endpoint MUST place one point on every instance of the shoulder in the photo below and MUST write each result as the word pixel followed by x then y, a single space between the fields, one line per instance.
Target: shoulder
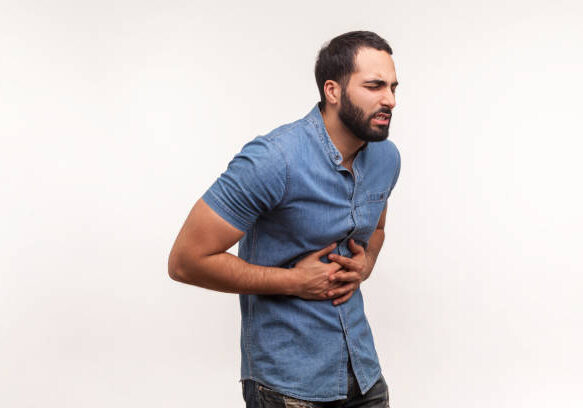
pixel 388 147
pixel 276 149
pixel 284 143
pixel 272 146
pixel 382 164
pixel 291 133
pixel 385 152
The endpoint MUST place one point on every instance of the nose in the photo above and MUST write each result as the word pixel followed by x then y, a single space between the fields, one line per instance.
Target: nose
pixel 389 99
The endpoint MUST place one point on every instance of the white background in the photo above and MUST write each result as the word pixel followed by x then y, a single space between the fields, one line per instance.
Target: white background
pixel 116 116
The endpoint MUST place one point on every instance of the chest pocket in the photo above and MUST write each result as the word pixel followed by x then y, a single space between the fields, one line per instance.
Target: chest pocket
pixel 372 197
pixel 372 208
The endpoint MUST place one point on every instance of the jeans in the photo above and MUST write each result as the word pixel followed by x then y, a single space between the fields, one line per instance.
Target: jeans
pixel 257 395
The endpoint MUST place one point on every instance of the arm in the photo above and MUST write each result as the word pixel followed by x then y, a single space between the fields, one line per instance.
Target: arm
pixel 199 258
pixel 375 243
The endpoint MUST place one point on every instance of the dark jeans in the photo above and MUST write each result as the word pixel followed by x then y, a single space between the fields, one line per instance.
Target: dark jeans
pixel 259 396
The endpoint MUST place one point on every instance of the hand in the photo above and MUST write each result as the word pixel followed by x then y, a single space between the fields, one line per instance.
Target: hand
pixel 313 275
pixel 355 270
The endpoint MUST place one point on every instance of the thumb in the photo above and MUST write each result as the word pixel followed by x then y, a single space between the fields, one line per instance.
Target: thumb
pixel 354 248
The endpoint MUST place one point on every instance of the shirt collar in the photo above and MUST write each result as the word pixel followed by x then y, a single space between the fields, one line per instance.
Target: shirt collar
pixel 315 117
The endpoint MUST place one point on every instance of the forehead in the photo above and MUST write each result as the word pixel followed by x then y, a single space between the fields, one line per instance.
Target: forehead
pixel 371 63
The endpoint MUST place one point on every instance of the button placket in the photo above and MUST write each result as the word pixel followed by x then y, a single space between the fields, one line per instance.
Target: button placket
pixel 355 179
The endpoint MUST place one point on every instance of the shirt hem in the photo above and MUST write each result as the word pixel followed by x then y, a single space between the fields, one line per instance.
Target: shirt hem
pixel 375 377
pixel 294 395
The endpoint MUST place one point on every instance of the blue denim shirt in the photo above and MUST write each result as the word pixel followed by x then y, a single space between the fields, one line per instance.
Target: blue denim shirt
pixel 291 196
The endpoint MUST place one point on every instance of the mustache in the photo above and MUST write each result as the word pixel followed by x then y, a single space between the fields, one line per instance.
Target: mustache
pixel 384 110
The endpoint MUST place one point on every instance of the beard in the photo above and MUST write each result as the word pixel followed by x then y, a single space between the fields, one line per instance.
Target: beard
pixel 353 118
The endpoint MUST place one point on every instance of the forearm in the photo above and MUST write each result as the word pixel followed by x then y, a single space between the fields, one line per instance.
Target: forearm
pixel 375 244
pixel 228 273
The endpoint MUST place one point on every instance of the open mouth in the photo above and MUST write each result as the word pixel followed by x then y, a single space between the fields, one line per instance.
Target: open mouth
pixel 381 119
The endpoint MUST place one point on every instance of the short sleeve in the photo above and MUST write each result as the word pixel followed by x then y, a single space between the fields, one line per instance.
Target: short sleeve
pixel 254 183
pixel 397 170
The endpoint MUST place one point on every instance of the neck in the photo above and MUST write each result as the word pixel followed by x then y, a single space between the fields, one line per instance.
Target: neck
pixel 344 140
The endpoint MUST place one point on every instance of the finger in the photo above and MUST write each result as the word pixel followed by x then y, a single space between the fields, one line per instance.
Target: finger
pixel 333 267
pixel 354 247
pixel 333 286
pixel 348 263
pixel 342 290
pixel 336 285
pixel 324 251
pixel 342 299
pixel 345 276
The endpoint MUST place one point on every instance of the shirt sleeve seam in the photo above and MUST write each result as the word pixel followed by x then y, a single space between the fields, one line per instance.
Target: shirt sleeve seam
pixel 223 207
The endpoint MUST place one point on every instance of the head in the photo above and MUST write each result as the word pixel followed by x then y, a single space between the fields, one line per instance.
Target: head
pixel 356 79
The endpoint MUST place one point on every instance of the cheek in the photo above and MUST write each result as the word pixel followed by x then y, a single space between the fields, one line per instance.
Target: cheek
pixel 366 101
pixel 370 106
pixel 364 98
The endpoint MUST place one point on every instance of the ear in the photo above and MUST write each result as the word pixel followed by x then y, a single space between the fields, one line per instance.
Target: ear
pixel 333 92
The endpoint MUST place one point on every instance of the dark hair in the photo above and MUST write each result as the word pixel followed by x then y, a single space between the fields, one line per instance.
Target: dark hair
pixel 336 58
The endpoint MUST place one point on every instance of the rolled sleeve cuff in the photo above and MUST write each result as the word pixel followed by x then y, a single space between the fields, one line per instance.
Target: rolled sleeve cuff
pixel 224 212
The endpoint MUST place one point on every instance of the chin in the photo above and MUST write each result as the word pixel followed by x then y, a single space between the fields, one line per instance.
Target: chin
pixel 376 136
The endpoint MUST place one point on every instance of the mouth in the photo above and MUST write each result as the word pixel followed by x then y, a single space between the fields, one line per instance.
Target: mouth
pixel 381 119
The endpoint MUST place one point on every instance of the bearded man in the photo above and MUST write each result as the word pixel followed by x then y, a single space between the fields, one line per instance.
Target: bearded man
pixel 307 204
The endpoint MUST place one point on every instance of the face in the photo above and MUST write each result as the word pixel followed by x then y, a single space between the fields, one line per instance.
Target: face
pixel 368 98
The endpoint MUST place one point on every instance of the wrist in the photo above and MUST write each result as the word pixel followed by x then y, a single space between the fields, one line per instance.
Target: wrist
pixel 291 283
pixel 370 261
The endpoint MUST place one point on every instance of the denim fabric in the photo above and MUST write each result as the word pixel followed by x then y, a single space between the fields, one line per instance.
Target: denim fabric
pixel 289 193
pixel 257 395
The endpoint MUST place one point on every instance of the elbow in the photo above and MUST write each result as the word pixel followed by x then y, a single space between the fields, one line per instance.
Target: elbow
pixel 184 270
pixel 175 269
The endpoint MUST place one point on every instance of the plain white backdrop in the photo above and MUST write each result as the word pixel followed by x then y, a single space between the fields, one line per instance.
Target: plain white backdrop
pixel 116 116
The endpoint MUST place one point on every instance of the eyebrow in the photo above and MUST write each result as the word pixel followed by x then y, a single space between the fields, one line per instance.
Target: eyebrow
pixel 380 82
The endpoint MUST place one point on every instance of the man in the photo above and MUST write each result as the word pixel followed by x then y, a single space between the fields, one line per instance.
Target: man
pixel 307 203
